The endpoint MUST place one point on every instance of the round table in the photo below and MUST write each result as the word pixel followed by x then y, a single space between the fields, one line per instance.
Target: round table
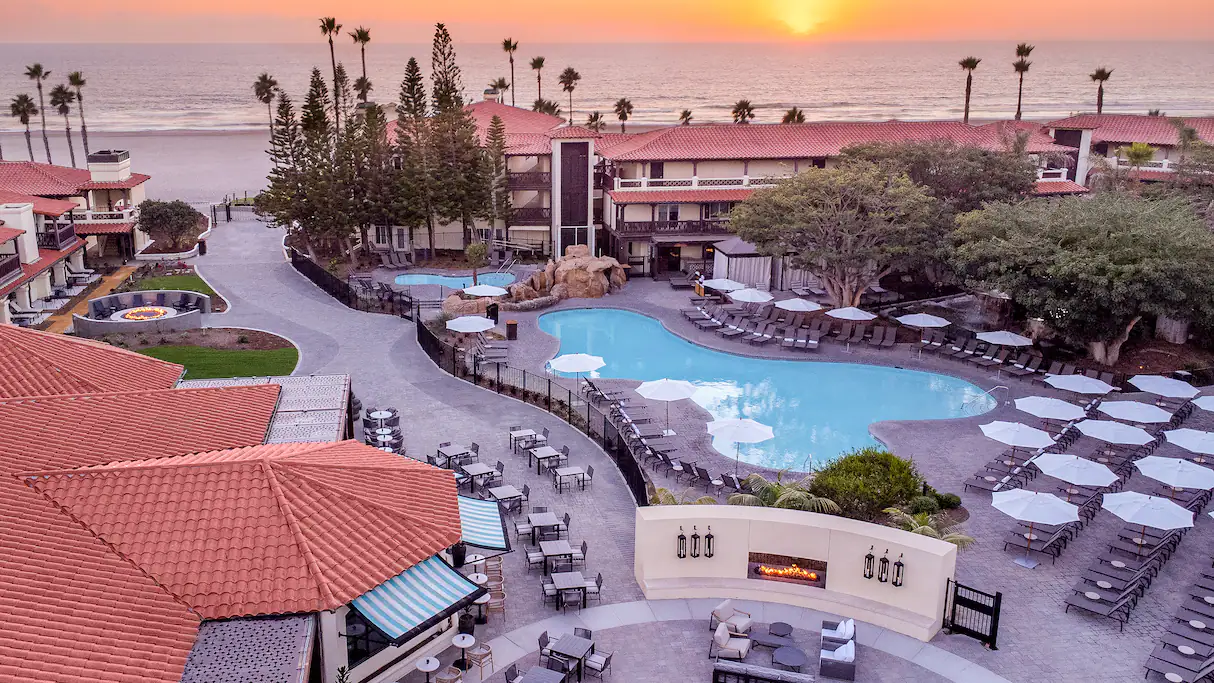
pixel 384 430
pixel 789 657
pixel 1104 584
pixel 779 628
pixel 1199 625
pixel 1173 677
pixel 428 665
pixel 463 641
pixel 478 578
pixel 384 438
pixel 1186 650
pixel 480 608
pixel 473 560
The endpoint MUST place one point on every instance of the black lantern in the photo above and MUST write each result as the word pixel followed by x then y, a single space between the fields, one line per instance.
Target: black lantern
pixel 883 568
pixel 869 559
pixel 695 542
pixel 899 570
pixel 682 544
pixel 709 543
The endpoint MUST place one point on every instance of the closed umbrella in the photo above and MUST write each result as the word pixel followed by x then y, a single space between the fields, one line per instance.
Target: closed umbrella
pixel 723 284
pixel 1016 435
pixel 1193 440
pixel 470 323
pixel 1004 338
pixel 798 305
pixel 484 290
pixel 1074 470
pixel 1176 473
pixel 740 431
pixel 1204 402
pixel 1164 386
pixel 1035 508
pixel 1079 384
pixel 1114 432
pixel 1147 511
pixel 751 296
pixel 923 320
pixel 667 390
pixel 1134 411
pixel 850 313
pixel 1049 408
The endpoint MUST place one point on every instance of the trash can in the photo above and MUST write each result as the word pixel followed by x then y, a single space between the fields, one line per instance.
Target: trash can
pixel 202 247
pixel 511 330
pixel 467 624
pixel 492 310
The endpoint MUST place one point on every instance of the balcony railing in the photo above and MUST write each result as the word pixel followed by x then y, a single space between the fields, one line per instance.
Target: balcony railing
pixel 1152 165
pixel 58 236
pixel 10 265
pixel 671 227
pixel 696 181
pixel 1052 174
pixel 530 180
pixel 531 215
pixel 118 216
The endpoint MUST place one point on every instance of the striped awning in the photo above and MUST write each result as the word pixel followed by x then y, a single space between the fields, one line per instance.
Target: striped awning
pixel 482 524
pixel 416 599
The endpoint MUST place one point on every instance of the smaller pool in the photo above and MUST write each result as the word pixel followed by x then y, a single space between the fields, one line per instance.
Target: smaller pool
pixel 456 281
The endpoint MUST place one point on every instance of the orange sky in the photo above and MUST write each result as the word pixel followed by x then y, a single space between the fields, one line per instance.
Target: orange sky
pixel 547 21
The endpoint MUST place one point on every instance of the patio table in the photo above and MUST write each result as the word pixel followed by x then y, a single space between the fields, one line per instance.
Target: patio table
pixel 573 647
pixel 519 435
pixel 506 494
pixel 380 415
pixel 568 581
pixel 553 550
pixel 383 430
pixel 541 520
pixel 540 454
pixel 476 470
pixel 538 674
pixel 566 472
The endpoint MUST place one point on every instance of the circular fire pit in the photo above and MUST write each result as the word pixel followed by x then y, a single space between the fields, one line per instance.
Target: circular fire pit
pixel 144 313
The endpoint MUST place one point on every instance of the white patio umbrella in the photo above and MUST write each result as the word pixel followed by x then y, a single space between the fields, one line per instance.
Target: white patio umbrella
pixel 1204 402
pixel 922 320
pixel 798 305
pixel 751 296
pixel 484 290
pixel 1079 384
pixel 1114 432
pixel 1016 435
pixel 666 390
pixel 1164 386
pixel 1134 411
pixel 1176 473
pixel 1074 470
pixel 1147 511
pixel 740 431
pixel 1049 408
pixel 1193 440
pixel 576 363
pixel 723 284
pixel 850 313
pixel 470 323
pixel 1004 338
pixel 1034 508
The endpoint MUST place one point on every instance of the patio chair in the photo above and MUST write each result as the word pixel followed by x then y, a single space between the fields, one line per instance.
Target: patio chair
pixel 594 589
pixel 999 359
pixel 729 644
pixel 597 664
pixel 769 334
pixel 844 332
pixel 480 655
pixel 724 613
pixel 878 337
pixel 513 675
pixel 521 528
pixel 837 660
pixel 841 631
pixel 545 651
pixel 891 337
pixel 963 351
pixel 562 527
pixel 450 675
pixel 535 558
pixel 857 334
pixel 588 479
pixel 579 555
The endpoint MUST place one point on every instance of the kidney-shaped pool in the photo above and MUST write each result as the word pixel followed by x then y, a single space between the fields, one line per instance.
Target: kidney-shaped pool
pixel 817 409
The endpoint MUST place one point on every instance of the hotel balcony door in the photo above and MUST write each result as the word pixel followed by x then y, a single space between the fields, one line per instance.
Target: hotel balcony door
pixel 668 261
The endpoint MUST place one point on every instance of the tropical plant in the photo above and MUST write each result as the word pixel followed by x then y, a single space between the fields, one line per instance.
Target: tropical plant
pixel 510 46
pixel 62 98
pixel 794 115
pixel 477 256
pixel 1021 67
pixel 265 88
pixel 568 80
pixel 780 494
pixel 596 122
pixel 76 80
pixel 173 221
pixel 36 73
pixel 623 109
pixel 23 109
pixel 1156 112
pixel 537 65
pixel 361 36
pixel 1100 75
pixel 866 481
pixel 329 28
pixel 1137 155
pixel 968 64
pixel 742 111
pixel 548 107
pixel 933 525
pixel 685 117
pixel 500 84
pixel 664 496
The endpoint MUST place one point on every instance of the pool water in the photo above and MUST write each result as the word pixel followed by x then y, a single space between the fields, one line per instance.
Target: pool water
pixel 456 281
pixel 818 410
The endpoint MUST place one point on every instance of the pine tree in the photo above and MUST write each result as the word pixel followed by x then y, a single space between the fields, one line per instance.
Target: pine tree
pixel 378 181
pixel 414 197
pixel 498 185
pixel 448 84
pixel 316 213
pixel 283 199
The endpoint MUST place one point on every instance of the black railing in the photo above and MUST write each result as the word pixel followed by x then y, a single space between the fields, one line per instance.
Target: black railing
pixel 545 392
pixel 538 180
pixel 9 264
pixel 531 215
pixel 57 236
pixel 671 227
pixel 972 613
pixel 359 294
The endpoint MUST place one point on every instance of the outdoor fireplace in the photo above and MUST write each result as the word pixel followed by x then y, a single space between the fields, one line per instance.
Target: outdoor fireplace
pixel 787 569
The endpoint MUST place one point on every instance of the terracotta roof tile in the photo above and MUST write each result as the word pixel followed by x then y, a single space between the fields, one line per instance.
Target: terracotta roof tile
pixel 85 229
pixel 42 205
pixel 516 119
pixel 7 234
pixel 689 196
pixel 36 363
pixel 134 180
pixel 1058 187
pixel 576 132
pixel 48 180
pixel 1127 128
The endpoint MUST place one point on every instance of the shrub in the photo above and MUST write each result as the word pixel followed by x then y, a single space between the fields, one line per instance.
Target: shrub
pixel 948 501
pixel 242 339
pixel 866 481
pixel 926 504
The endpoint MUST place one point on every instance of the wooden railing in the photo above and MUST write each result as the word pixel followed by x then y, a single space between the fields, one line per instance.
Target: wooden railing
pixel 695 181
pixel 57 236
pixel 537 180
pixel 9 264
pixel 115 216
pixel 670 227
pixel 531 215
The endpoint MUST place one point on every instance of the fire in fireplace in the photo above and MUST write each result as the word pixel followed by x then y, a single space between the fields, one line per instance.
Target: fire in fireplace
pixel 788 569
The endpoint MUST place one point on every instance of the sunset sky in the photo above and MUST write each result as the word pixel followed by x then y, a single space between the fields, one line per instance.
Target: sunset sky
pixel 551 21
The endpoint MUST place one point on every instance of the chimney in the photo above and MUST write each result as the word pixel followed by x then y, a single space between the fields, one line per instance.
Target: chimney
pixel 21 216
pixel 110 165
pixel 492 95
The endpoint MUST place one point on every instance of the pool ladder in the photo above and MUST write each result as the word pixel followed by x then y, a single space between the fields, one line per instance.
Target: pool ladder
pixel 965 407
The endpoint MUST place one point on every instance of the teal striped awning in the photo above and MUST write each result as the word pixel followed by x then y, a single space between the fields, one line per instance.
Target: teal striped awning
pixel 482 524
pixel 416 599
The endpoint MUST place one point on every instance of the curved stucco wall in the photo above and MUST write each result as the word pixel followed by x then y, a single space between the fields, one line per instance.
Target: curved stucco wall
pixel 96 327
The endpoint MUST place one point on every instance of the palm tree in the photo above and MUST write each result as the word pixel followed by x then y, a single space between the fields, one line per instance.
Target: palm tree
pixel 1137 155
pixel 509 46
pixel 36 73
pixel 537 65
pixel 743 112
pixel 62 98
pixel 501 85
pixel 969 64
pixel 935 526
pixel 623 109
pixel 1100 75
pixel 361 37
pixel 794 115
pixel 664 496
pixel 546 107
pixel 685 117
pixel 76 80
pixel 1186 137
pixel 265 88
pixel 329 28
pixel 23 109
pixel 596 122
pixel 777 494
pixel 1021 66
pixel 568 80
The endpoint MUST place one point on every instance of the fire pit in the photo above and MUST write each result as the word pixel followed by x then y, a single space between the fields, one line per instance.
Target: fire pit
pixel 787 569
pixel 143 313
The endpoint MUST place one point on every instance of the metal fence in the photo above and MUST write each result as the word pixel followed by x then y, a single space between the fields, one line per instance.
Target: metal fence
pixel 972 612
pixel 361 295
pixel 547 393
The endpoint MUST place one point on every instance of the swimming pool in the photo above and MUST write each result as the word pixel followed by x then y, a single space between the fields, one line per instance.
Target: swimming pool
pixel 817 409
pixel 456 281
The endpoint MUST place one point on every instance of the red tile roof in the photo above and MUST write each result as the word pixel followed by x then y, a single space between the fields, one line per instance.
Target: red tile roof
pixel 576 132
pixel 1058 187
pixel 36 363
pixel 516 119
pixel 134 180
pixel 42 205
pixel 29 271
pixel 265 530
pixel 7 234
pixel 1127 128
pixel 48 180
pixel 85 229
pixel 689 196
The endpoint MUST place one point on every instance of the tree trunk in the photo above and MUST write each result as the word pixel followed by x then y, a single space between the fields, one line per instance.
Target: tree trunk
pixel 1109 351
pixel 67 127
pixel 1171 330
pixel 42 112
pixel 539 86
pixel 364 233
pixel 308 245
pixel 351 253
pixel 512 102
pixel 84 129
pixel 1100 99
pixel 412 247
pixel 430 236
pixel 29 142
pixel 1019 96
pixel 969 83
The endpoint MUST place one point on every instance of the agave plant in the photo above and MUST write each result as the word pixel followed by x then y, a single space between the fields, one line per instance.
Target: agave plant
pixel 664 496
pixel 779 494
pixel 925 524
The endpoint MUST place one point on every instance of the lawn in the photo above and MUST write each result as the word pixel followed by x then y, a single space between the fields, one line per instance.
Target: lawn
pixel 188 283
pixel 204 363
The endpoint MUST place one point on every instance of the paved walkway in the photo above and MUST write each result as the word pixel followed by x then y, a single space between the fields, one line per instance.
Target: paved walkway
pixel 61 322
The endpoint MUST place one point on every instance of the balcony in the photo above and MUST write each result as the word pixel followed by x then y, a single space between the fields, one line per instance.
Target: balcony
pixel 1152 165
pixel 690 227
pixel 1052 174
pixel 530 180
pixel 58 236
pixel 117 216
pixel 10 265
pixel 695 181
pixel 531 215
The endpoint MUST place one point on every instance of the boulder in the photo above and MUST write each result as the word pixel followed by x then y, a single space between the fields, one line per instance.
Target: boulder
pixel 583 284
pixel 560 292
pixel 455 305
pixel 521 291
pixel 576 250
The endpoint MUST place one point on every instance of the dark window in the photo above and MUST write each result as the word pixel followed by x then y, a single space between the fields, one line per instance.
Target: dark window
pixel 383 235
pixel 820 163
pixel 402 238
pixel 657 169
pixel 717 210
pixel 362 639
pixel 668 212
pixel 575 176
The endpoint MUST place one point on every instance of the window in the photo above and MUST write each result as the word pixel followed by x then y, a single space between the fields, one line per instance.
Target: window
pixel 362 639
pixel 657 169
pixel 383 235
pixel 402 238
pixel 668 212
pixel 717 210
pixel 820 162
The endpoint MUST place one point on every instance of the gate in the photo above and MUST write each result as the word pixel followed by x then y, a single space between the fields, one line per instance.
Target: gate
pixel 972 613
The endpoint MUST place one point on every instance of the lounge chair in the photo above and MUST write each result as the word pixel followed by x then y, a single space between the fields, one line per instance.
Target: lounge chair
pixel 788 337
pixel 963 352
pixel 766 336
pixel 729 644
pixel 999 359
pixel 1118 611
pixel 844 332
pixel 805 342
pixel 1024 369
pixel 891 337
pixel 725 613
pixel 879 332
pixel 837 660
pixel 857 334
pixel 731 331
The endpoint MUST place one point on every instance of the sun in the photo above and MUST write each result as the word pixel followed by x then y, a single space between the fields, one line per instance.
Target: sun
pixel 800 16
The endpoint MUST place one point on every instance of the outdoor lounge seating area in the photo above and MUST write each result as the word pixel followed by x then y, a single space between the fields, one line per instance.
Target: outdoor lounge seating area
pixel 735 637
pixel 769 324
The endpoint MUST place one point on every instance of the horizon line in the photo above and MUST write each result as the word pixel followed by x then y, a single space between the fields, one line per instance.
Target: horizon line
pixel 785 41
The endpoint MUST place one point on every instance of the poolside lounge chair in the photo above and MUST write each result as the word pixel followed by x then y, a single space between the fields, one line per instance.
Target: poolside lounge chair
pixel 1118 611
pixel 766 336
pixel 1024 368
pixel 805 342
pixel 857 334
pixel 730 330
pixel 891 337
pixel 962 352
pixel 844 332
pixel 989 362
pixel 878 337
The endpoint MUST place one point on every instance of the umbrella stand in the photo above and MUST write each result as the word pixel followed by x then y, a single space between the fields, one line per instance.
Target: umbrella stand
pixel 737 456
pixel 1026 561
